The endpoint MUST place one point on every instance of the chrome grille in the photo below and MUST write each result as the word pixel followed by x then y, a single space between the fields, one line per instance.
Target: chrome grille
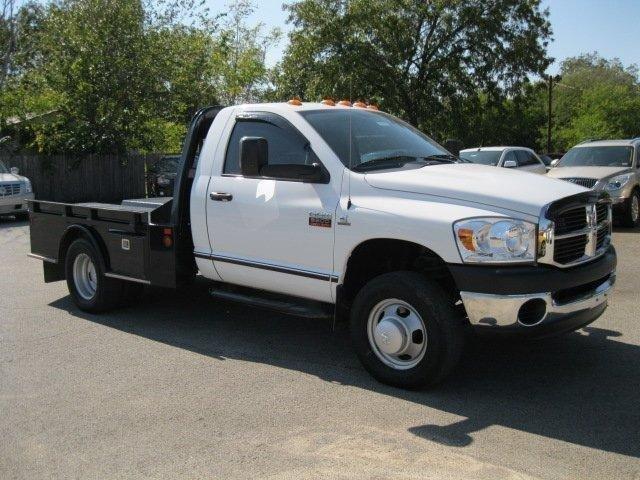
pixel 9 189
pixel 602 212
pixel 583 182
pixel 571 220
pixel 575 234
pixel 570 249
pixel 603 233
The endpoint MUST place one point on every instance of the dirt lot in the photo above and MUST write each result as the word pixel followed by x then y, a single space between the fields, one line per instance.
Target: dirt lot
pixel 180 386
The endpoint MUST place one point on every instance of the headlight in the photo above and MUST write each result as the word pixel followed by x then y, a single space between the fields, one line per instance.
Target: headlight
pixel 495 240
pixel 618 182
pixel 27 186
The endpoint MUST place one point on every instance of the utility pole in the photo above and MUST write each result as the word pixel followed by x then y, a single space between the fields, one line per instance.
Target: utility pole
pixel 550 80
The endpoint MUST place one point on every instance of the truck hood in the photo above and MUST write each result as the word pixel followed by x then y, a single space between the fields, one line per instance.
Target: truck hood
pixel 586 172
pixel 480 184
pixel 10 177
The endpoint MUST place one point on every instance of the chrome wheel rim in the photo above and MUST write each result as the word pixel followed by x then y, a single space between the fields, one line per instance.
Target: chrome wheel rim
pixel 85 277
pixel 397 334
pixel 635 208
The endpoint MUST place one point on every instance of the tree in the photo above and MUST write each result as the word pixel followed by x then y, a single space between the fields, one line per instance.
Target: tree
pixel 238 65
pixel 596 98
pixel 421 60
pixel 8 38
pixel 125 75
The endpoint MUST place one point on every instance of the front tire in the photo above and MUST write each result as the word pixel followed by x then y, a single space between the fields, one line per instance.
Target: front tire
pixel 631 214
pixel 406 331
pixel 90 289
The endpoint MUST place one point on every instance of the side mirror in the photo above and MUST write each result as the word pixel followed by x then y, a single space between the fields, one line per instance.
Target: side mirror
pixel 254 154
pixel 15 170
pixel 554 162
pixel 510 164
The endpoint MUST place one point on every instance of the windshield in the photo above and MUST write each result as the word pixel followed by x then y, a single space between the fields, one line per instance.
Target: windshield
pixel 366 140
pixel 3 169
pixel 614 156
pixel 485 157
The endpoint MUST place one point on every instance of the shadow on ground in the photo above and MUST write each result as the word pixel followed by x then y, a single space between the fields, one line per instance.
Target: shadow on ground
pixel 11 222
pixel 581 388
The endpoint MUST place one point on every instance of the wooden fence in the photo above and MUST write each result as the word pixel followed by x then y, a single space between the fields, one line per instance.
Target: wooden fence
pixel 100 178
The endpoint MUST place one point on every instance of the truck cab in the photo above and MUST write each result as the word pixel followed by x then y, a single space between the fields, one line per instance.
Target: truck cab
pixel 347 207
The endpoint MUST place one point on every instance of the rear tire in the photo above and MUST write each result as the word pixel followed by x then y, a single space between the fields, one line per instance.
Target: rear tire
pixel 406 331
pixel 631 215
pixel 90 289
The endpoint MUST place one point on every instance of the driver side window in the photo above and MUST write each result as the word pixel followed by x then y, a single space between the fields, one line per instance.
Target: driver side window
pixel 284 145
pixel 511 155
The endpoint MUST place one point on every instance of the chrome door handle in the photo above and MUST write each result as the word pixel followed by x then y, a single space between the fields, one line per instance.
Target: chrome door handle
pixel 221 197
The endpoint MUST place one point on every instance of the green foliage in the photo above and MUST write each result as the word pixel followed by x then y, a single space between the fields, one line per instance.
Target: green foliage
pixel 107 76
pixel 237 67
pixel 104 76
pixel 424 61
pixel 596 98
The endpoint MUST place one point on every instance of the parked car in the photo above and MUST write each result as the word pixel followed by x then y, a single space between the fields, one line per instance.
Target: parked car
pixel 546 159
pixel 319 210
pixel 162 175
pixel 520 158
pixel 612 166
pixel 15 190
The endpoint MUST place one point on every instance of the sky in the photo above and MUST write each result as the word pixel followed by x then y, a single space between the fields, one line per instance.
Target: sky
pixel 609 27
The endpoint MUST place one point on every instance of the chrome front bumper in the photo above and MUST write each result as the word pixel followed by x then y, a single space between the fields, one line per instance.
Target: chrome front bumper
pixel 15 203
pixel 506 311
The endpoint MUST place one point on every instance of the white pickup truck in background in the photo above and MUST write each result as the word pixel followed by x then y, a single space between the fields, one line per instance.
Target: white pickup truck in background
pixel 297 206
pixel 15 191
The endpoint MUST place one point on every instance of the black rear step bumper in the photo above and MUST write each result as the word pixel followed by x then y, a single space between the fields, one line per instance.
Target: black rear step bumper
pixel 535 300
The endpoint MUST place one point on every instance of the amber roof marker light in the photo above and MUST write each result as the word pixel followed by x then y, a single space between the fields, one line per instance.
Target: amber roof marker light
pixel 295 101
pixel 359 104
pixel 371 106
pixel 329 102
pixel 344 103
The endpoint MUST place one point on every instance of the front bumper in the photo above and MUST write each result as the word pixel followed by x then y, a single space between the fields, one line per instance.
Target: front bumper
pixel 536 300
pixel 15 204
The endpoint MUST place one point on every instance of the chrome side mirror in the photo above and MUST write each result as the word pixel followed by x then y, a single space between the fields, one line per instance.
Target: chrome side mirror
pixel 554 162
pixel 510 164
pixel 15 170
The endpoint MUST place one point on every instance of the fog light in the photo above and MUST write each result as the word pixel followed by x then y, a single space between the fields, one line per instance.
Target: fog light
pixel 532 312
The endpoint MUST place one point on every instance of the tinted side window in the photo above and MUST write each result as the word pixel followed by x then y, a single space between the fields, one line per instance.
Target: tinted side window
pixel 524 158
pixel 285 146
pixel 511 156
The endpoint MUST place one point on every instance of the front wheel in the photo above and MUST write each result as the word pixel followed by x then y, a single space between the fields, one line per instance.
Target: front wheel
pixel 405 330
pixel 632 210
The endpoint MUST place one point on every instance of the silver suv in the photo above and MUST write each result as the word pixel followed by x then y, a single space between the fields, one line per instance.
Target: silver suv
pixel 610 165
pixel 15 190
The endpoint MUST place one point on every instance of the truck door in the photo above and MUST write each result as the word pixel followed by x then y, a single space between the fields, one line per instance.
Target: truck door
pixel 272 233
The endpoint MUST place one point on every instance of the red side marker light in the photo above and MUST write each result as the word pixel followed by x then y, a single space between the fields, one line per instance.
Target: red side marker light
pixel 167 237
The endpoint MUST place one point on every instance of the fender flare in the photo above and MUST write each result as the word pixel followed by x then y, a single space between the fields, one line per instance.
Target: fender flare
pixel 74 231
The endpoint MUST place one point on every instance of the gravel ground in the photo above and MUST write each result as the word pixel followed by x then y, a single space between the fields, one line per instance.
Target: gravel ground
pixel 180 386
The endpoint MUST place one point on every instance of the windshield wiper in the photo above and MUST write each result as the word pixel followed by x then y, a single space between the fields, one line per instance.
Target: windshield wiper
pixel 401 160
pixel 445 157
pixel 382 163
